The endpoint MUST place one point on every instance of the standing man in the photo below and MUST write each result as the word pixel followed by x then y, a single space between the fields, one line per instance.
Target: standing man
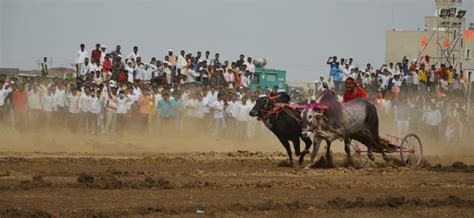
pixel 172 58
pixel 85 68
pixel 181 63
pixel 44 67
pixel 250 65
pixel 331 62
pixel 20 104
pixel 241 61
pixel 336 75
pixel 80 57
pixel 102 54
pixel 116 53
pixel 96 54
pixel 4 91
pixel 216 60
pixel 134 54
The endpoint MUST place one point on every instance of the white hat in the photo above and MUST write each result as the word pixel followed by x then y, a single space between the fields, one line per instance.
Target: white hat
pixel 171 50
pixel 103 46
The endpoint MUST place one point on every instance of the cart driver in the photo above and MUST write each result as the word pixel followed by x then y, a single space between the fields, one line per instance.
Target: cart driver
pixel 353 91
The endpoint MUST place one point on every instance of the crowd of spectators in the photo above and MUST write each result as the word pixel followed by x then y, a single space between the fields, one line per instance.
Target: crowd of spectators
pixel 417 96
pixel 113 93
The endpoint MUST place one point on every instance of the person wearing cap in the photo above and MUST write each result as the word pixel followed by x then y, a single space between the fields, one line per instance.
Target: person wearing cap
pixel 353 91
pixel 172 58
pixel 102 54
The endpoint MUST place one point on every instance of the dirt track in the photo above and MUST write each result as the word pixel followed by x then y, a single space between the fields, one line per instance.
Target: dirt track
pixel 225 184
pixel 59 174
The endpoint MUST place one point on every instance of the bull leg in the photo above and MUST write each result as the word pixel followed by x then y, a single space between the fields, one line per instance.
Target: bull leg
pixel 286 144
pixel 316 144
pixel 296 145
pixel 347 144
pixel 328 153
pixel 307 142
pixel 370 154
pixel 382 150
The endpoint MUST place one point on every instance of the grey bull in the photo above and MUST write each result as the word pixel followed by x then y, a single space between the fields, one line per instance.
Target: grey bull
pixel 330 120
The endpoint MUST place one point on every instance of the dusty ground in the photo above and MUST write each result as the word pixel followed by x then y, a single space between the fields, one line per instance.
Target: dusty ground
pixel 46 174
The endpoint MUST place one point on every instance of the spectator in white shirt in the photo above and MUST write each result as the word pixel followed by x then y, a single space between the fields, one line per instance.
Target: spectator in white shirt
pixel 229 78
pixel 246 80
pixel 150 70
pixel 181 63
pixel 130 69
pixel 243 117
pixel 218 115
pixel 81 55
pixel 85 68
pixel 134 53
pixel 250 65
pixel 252 123
pixel 122 102
pixel 432 119
pixel 34 105
pixel 84 107
pixel 102 54
pixel 191 75
pixel 74 109
pixel 141 71
pixel 195 111
pixel 48 104
pixel 3 95
pixel 346 72
pixel 111 110
pixel 92 114
pixel 60 99
pixel 94 67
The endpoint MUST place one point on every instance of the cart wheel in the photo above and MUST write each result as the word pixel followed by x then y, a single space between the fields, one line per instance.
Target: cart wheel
pixel 411 150
pixel 359 154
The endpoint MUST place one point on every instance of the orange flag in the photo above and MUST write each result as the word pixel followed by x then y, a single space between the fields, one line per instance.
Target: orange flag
pixel 424 42
pixel 469 35
pixel 446 42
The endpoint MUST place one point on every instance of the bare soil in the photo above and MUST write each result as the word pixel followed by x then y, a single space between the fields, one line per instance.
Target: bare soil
pixel 61 175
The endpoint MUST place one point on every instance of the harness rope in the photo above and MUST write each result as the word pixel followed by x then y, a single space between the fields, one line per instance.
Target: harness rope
pixel 277 108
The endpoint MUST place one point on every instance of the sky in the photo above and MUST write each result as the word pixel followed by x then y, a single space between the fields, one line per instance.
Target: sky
pixel 294 35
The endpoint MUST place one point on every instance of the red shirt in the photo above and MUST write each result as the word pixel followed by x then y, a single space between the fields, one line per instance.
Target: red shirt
pixel 106 65
pixel 19 101
pixel 359 93
pixel 96 56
